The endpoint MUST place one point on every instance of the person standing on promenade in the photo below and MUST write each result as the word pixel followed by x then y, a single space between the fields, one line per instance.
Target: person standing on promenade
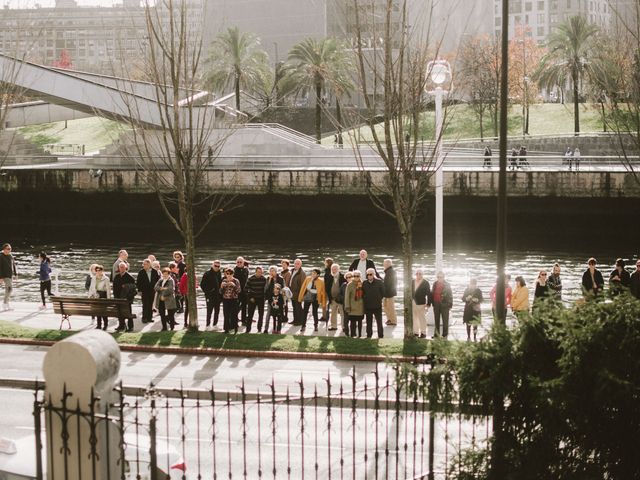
pixel 312 293
pixel 420 303
pixel 390 292
pixel 145 283
pixel 555 284
pixel 487 157
pixel 472 298
pixel 178 270
pixel 542 291
pixel 327 281
pixel 348 278
pixel 8 273
pixel 373 290
pixel 592 280
pixel 576 158
pixel 123 256
pixel 183 287
pixel 230 290
pixel 285 273
pixel 44 274
pixel 255 289
pixel 362 264
pixel 165 301
pixel 354 304
pixel 619 279
pixel 210 286
pixel 273 279
pixel 441 299
pixel 296 280
pixel 124 286
pixel 275 303
pixel 100 288
pixel 634 281
pixel 333 285
pixel 241 273
pixel 520 299
pixel 507 296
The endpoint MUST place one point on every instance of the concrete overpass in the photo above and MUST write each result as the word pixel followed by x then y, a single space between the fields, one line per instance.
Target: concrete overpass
pixel 111 97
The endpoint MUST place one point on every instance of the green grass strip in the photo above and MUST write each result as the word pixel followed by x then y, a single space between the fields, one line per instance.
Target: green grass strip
pixel 255 342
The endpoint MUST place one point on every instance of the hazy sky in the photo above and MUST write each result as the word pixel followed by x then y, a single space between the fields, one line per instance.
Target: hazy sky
pixel 51 3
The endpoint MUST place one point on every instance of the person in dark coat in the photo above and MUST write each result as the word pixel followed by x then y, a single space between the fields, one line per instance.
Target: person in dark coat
pixel 555 283
pixel 634 282
pixel 487 156
pixel 441 298
pixel 255 290
pixel 362 264
pixel 296 280
pixel 165 299
pixel 421 291
pixel 178 259
pixel 472 298
pixel 275 302
pixel 542 291
pixel 230 291
pixel 619 279
pixel 328 262
pixel 373 293
pixel 241 273
pixel 273 279
pixel 124 286
pixel 592 281
pixel 210 286
pixel 348 278
pixel 390 292
pixel 145 283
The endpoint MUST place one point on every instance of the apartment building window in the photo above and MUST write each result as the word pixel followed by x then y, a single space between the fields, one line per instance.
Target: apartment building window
pixel 541 31
pixel 528 6
pixel 515 6
pixel 568 4
pixel 498 21
pixel 540 18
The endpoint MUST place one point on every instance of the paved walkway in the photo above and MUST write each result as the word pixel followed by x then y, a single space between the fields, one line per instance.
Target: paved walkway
pixel 28 314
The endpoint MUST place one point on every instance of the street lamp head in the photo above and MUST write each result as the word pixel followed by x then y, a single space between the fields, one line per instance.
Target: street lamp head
pixel 439 71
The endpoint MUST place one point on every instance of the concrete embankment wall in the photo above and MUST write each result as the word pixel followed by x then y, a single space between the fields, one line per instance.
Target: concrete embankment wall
pixel 602 208
pixel 563 185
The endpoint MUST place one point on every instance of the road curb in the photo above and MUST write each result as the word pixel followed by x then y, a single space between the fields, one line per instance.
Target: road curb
pixel 223 352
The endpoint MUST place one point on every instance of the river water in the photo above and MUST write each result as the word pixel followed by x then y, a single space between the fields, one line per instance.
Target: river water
pixel 71 262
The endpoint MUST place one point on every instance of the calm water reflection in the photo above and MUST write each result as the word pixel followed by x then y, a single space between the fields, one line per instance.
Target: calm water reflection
pixel 72 261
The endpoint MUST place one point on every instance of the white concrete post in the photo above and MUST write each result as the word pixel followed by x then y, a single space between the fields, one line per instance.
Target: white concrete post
pixel 85 361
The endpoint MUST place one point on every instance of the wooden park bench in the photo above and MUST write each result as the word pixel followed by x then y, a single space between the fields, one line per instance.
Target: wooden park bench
pixel 91 307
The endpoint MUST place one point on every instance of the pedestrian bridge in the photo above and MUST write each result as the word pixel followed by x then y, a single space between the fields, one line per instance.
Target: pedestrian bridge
pixel 111 97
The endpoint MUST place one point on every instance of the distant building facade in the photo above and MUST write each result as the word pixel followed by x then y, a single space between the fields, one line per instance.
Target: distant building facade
pixel 542 16
pixel 95 39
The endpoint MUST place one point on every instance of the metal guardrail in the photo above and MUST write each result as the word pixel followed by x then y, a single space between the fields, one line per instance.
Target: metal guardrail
pixel 336 429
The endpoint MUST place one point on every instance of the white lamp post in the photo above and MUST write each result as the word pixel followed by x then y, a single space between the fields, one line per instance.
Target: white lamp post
pixel 439 72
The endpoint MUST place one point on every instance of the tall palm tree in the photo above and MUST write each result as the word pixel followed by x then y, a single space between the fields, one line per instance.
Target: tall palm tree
pixel 236 58
pixel 321 64
pixel 570 47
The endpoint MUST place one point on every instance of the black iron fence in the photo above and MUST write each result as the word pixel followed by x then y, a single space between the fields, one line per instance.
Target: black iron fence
pixel 334 430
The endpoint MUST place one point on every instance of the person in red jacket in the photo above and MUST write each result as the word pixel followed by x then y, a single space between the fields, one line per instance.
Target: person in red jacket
pixel 183 288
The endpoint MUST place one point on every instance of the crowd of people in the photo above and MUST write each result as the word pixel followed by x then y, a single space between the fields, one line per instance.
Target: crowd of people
pixel 349 300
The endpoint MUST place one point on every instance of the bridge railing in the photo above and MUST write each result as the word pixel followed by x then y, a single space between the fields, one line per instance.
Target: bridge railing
pixel 328 160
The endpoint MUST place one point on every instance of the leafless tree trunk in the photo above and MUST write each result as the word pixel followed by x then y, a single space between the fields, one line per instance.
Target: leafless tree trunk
pixel 392 79
pixel 174 157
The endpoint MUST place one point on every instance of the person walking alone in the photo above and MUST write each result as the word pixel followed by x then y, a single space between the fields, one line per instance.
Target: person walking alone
pixel 44 273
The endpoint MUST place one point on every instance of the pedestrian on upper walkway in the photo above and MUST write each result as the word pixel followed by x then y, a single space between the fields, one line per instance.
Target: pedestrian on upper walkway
pixel 487 157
